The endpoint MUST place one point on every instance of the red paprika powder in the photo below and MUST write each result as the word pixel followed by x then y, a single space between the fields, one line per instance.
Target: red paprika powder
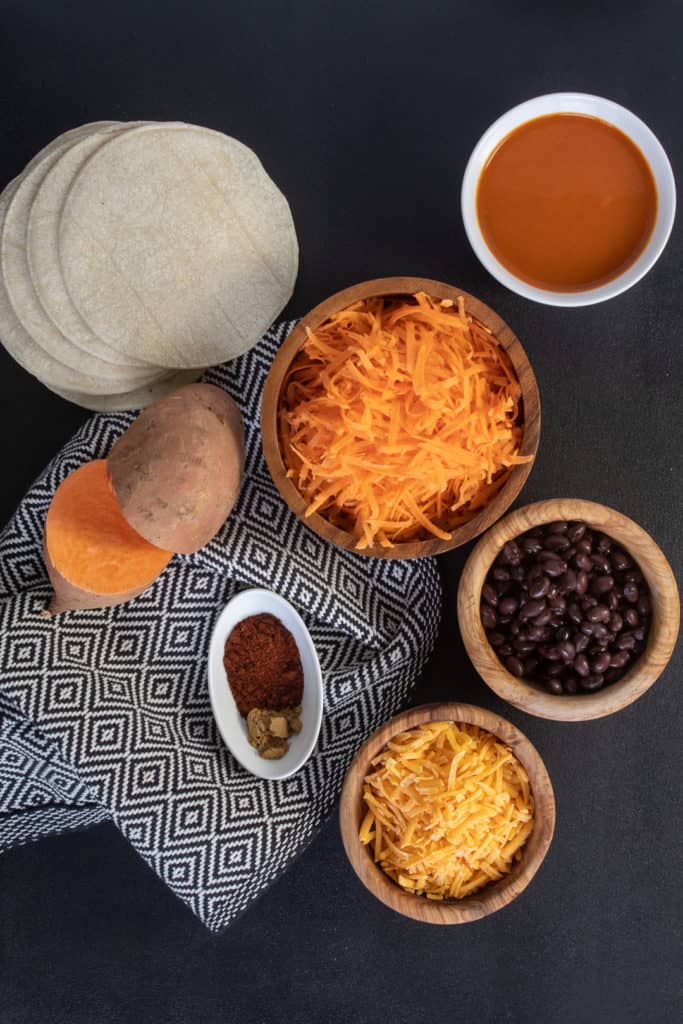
pixel 263 665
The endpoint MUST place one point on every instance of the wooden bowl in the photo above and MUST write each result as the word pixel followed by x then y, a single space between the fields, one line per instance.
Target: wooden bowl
pixel 400 286
pixel 530 696
pixel 352 811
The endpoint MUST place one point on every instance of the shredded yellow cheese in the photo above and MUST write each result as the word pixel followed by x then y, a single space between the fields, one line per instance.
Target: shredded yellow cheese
pixel 400 419
pixel 449 809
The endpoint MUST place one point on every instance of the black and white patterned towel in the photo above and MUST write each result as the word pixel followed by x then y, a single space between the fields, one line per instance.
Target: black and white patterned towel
pixel 106 713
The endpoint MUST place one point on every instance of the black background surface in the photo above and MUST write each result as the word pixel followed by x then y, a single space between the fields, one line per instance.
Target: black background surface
pixel 365 114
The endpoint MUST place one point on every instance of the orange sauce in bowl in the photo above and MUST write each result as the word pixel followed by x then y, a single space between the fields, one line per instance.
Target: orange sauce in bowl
pixel 566 202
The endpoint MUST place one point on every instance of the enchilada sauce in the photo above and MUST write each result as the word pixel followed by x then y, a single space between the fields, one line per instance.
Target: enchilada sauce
pixel 566 202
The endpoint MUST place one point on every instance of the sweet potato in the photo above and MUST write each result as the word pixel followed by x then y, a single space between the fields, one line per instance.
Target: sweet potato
pixel 94 558
pixel 177 470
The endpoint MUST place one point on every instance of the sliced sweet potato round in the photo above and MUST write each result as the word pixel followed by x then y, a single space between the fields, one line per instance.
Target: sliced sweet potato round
pixel 177 470
pixel 94 558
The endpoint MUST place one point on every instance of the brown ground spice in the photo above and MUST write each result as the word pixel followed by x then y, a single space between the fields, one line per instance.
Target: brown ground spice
pixel 262 664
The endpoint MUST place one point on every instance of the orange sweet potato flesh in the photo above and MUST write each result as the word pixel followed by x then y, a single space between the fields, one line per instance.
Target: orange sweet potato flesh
pixel 94 558
pixel 177 470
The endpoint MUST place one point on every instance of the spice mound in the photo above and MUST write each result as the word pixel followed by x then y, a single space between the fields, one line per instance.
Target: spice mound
pixel 449 809
pixel 269 730
pixel 266 679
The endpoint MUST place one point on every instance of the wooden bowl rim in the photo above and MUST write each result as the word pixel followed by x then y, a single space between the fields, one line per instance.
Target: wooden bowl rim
pixel 401 286
pixel 495 896
pixel 664 628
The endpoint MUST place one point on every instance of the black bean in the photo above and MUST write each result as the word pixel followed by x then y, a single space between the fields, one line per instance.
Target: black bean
pixel 570 684
pixel 539 586
pixel 581 665
pixel 620 560
pixel 504 651
pixel 554 568
pixel 523 646
pixel 631 593
pixel 592 682
pixel 643 605
pixel 549 652
pixel 600 562
pixel 612 600
pixel 559 526
pixel 569 553
pixel 499 572
pixel 530 665
pixel 556 542
pixel 601 584
pixel 514 665
pixel 489 618
pixel 548 556
pixel 587 628
pixel 583 562
pixel 554 686
pixel 639 634
pixel 580 642
pixel 604 545
pixel 581 582
pixel 588 602
pixel 631 617
pixel 502 587
pixel 600 663
pixel 503 620
pixel 584 546
pixel 555 669
pixel 600 632
pixel 564 633
pixel 543 618
pixel 620 659
pixel 575 531
pixel 531 545
pixel 495 638
pixel 616 623
pixel 599 613
pixel 489 594
pixel 574 613
pixel 634 576
pixel 508 605
pixel 532 609
pixel 625 642
pixel 567 650
pixel 517 573
pixel 514 627
pixel 567 581
pixel 511 553
pixel 558 604
pixel 613 674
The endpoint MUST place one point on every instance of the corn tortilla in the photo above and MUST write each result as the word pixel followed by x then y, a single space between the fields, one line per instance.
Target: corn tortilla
pixel 176 246
pixel 42 246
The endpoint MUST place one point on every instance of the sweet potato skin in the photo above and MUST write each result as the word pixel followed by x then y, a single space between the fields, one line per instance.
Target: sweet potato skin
pixel 177 470
pixel 66 597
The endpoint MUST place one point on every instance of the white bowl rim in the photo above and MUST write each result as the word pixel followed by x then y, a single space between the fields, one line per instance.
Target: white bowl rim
pixel 263 600
pixel 630 125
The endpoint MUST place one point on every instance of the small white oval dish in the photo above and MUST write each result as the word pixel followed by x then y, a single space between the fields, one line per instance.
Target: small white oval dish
pixel 605 110
pixel 231 725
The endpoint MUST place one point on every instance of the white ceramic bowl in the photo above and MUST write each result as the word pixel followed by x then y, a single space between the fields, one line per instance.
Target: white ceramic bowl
pixel 629 124
pixel 231 725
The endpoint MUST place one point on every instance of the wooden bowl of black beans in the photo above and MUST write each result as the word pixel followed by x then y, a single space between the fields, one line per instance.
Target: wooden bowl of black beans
pixel 568 609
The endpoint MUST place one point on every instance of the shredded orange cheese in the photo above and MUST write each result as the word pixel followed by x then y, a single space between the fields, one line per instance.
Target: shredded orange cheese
pixel 449 809
pixel 400 419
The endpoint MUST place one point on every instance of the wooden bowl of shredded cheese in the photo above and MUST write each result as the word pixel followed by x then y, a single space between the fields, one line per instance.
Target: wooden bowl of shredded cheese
pixel 447 813
pixel 400 418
